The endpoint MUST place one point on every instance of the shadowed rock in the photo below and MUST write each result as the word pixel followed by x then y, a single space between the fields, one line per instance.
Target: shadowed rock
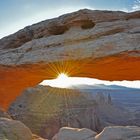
pixel 45 110
pixel 14 130
pixel 4 114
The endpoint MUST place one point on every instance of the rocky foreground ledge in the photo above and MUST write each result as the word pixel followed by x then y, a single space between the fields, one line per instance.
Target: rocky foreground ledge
pixel 15 130
pixel 109 133
pixel 98 44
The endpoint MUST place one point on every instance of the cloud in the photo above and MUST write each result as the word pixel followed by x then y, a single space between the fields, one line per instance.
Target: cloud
pixel 136 5
pixel 124 10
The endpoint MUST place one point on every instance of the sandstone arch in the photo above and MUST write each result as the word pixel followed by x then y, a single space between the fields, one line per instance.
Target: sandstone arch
pixel 109 49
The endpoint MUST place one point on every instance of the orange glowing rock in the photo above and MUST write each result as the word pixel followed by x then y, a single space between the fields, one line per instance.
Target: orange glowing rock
pixel 99 44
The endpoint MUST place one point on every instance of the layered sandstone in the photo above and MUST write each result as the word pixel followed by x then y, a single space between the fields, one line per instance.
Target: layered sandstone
pixel 109 133
pixel 98 44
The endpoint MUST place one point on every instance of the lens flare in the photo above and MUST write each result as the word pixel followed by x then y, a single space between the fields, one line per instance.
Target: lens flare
pixel 62 76
pixel 62 81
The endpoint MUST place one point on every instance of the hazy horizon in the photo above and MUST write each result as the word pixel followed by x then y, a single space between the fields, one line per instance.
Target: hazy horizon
pixel 65 82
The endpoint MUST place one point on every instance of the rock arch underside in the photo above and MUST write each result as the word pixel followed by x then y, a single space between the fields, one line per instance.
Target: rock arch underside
pixel 86 43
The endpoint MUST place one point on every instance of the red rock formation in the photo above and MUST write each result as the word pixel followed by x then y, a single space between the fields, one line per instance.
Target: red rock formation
pixel 15 79
pixel 98 44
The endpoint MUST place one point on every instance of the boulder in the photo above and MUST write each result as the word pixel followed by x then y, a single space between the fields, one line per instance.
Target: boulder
pixel 14 130
pixel 109 133
pixel 67 133
pixel 119 133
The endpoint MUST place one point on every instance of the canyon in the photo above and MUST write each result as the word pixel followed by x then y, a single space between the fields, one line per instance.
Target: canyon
pixel 46 109
pixel 86 43
pixel 43 112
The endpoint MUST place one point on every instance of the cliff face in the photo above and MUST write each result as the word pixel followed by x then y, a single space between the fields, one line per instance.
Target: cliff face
pixel 45 110
pixel 98 44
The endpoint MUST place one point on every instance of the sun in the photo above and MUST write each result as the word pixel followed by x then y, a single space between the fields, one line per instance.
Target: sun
pixel 62 81
pixel 62 76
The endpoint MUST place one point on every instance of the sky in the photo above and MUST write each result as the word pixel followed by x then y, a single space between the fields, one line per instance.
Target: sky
pixel 16 14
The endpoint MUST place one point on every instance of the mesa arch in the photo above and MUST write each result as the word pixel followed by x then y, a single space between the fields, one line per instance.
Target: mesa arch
pixel 99 44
